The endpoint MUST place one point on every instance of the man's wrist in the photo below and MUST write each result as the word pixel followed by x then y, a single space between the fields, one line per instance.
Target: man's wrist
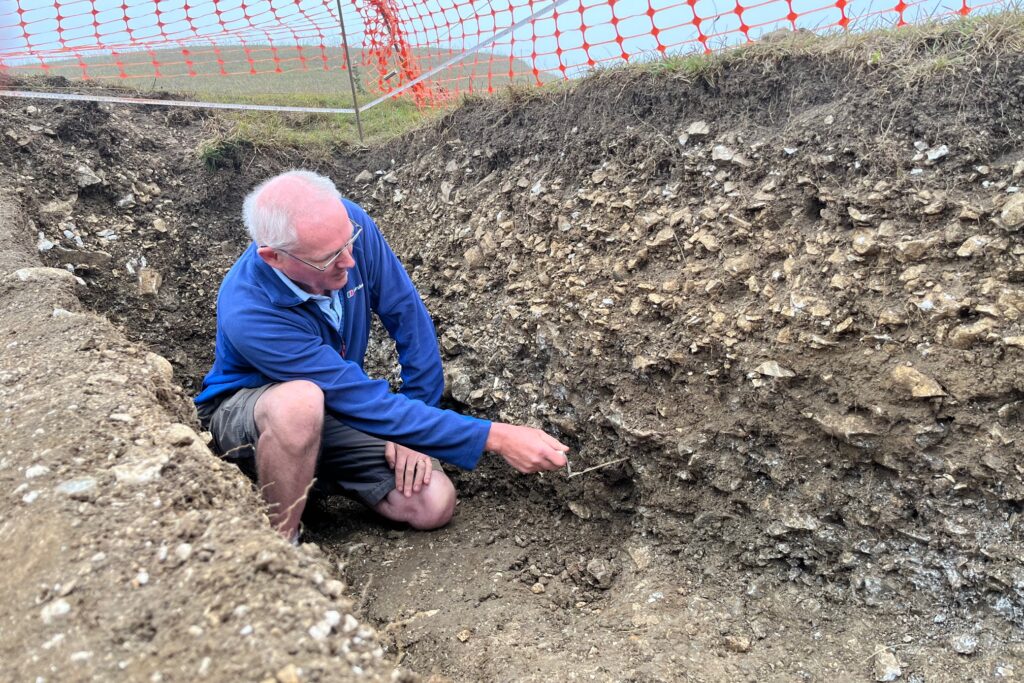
pixel 495 437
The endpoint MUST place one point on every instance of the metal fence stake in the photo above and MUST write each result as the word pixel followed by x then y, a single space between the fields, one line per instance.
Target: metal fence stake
pixel 351 75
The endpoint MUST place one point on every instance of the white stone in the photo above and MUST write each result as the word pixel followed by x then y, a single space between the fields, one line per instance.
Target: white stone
pixel 55 610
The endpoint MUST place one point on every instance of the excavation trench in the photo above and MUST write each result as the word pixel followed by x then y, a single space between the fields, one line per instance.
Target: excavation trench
pixel 666 565
pixel 787 291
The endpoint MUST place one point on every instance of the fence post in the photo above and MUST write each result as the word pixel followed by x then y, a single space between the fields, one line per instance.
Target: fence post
pixel 351 71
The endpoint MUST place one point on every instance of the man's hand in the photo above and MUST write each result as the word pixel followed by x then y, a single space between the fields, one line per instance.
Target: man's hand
pixel 525 448
pixel 412 469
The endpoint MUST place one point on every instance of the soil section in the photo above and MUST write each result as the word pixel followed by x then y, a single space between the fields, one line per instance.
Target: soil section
pixel 786 288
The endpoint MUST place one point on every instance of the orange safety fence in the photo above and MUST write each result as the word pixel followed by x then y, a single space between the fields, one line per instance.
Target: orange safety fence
pixel 441 48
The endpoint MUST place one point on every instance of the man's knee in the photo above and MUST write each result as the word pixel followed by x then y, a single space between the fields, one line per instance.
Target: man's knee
pixel 292 411
pixel 437 504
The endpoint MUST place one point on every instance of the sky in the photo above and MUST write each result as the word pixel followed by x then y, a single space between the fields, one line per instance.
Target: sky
pixel 582 34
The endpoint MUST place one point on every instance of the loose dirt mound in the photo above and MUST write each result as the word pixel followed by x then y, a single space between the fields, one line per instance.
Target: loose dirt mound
pixel 786 285
pixel 130 551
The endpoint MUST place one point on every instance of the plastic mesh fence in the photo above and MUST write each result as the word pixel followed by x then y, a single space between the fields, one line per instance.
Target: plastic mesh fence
pixel 294 45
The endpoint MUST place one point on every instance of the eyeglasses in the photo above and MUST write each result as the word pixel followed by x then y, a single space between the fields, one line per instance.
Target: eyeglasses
pixel 348 246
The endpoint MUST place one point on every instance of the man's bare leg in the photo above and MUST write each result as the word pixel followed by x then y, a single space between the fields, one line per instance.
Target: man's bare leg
pixel 290 418
pixel 430 508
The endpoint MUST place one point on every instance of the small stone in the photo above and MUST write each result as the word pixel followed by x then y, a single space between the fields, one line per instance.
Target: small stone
pixel 913 273
pixel 722 153
pixel 664 236
pixel 364 176
pixel 474 257
pixel 464 635
pixel 737 643
pixel 966 336
pixel 78 489
pixel 83 257
pixel 179 435
pixel 86 177
pixel 59 209
pixel 740 265
pixel 319 631
pixel 706 240
pixel 973 245
pixel 916 383
pixel 913 250
pixel 855 430
pixel 892 318
pixel 580 509
pixel 858 216
pixel 649 219
pixel 964 644
pixel 43 244
pixel 160 365
pixel 537 588
pixel 57 609
pixel 160 225
pixel 183 551
pixel 773 369
pixel 149 281
pixel 54 276
pixel 887 667
pixel 698 128
pixel 288 674
pixel 332 588
pixel 126 202
pixel 936 153
pixel 1012 216
pixel 140 472
pixel 800 522
pixel 390 178
pixel 864 242
pixel 36 471
pixel 641 556
pixel 602 572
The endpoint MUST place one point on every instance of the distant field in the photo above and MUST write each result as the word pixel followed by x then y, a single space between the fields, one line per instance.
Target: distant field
pixel 307 73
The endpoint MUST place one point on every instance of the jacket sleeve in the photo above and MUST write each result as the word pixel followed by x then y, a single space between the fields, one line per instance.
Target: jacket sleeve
pixel 280 345
pixel 395 300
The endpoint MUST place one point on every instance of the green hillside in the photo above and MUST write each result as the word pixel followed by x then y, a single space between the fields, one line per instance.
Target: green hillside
pixel 308 74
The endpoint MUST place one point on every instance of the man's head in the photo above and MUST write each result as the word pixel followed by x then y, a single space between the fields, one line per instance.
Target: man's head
pixel 298 223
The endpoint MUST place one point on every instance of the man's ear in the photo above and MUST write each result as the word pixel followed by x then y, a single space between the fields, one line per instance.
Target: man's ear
pixel 270 256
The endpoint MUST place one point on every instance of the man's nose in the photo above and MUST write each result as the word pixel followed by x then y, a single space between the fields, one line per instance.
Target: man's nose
pixel 346 261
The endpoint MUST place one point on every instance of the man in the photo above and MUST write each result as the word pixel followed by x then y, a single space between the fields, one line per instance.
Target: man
pixel 293 318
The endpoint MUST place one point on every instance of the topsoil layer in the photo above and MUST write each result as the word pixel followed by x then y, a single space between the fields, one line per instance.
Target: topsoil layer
pixel 785 290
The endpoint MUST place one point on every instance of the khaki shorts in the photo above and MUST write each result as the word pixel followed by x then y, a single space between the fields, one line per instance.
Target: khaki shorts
pixel 350 463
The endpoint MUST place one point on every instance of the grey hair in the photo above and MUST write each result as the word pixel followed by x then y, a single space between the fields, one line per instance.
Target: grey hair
pixel 271 224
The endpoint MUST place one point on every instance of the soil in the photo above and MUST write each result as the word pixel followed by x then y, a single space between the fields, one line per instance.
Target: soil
pixel 786 290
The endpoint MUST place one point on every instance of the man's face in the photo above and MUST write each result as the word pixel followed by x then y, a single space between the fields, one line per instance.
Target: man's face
pixel 322 227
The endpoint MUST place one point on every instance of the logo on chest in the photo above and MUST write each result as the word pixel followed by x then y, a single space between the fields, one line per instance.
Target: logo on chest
pixel 352 292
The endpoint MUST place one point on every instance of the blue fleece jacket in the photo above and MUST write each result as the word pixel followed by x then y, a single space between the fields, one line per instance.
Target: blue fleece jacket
pixel 266 334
